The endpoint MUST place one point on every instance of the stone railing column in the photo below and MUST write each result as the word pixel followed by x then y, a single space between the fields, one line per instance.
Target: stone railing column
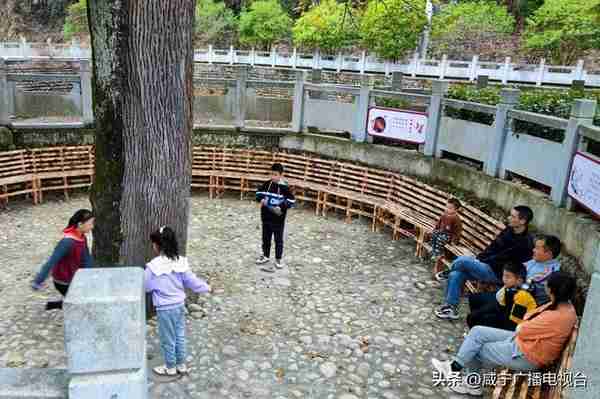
pixel 360 124
pixel 434 116
pixel 105 334
pixel 397 80
pixel 298 106
pixel 582 112
pixel 85 76
pixel 240 96
pixel 4 93
pixel 508 99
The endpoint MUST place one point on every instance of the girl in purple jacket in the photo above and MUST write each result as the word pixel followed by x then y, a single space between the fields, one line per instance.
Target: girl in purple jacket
pixel 167 275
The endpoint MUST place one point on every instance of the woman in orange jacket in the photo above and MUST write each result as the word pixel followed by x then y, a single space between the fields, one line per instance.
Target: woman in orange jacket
pixel 537 342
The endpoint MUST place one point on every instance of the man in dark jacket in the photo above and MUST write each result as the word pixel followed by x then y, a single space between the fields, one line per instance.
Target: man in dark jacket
pixel 513 244
pixel 275 198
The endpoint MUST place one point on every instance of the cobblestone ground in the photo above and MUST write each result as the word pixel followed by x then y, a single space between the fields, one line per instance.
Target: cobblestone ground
pixel 350 316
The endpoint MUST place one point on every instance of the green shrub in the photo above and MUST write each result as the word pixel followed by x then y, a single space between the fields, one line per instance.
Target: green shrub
pixel 264 24
pixel 327 26
pixel 76 21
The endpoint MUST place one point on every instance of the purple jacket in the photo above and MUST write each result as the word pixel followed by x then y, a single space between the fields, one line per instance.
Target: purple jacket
pixel 166 280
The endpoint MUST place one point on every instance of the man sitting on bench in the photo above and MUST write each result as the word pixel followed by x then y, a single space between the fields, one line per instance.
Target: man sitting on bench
pixel 513 244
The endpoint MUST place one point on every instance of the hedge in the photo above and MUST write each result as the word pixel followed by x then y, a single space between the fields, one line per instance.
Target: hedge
pixel 549 102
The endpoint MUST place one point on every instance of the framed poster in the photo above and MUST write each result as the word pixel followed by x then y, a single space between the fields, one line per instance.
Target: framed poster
pixel 584 182
pixel 397 124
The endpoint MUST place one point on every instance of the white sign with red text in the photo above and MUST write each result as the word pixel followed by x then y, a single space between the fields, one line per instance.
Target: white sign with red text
pixel 397 124
pixel 584 182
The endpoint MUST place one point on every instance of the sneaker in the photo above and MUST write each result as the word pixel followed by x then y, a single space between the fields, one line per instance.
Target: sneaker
pixel 164 370
pixel 279 264
pixel 464 388
pixel 268 269
pixel 442 276
pixel 448 312
pixel 182 369
pixel 262 260
pixel 444 368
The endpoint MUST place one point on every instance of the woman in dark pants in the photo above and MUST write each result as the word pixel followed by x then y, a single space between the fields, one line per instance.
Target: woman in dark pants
pixel 70 254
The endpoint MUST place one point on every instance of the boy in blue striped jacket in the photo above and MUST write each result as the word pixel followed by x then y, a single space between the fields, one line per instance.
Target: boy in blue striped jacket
pixel 275 198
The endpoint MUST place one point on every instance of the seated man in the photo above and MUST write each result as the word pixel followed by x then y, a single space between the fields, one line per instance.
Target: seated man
pixel 543 264
pixel 513 244
pixel 509 304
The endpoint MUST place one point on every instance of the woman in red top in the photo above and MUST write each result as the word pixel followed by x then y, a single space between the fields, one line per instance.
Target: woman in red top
pixel 70 254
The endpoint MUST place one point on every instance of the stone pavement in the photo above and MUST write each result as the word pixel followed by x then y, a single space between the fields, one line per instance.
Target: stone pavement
pixel 349 317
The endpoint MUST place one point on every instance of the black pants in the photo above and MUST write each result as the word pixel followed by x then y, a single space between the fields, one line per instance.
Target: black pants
pixel 268 231
pixel 485 311
pixel 63 289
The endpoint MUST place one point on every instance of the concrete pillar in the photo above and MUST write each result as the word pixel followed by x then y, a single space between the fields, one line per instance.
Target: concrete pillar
pixel 586 359
pixel 10 97
pixel 240 96
pixel 397 80
pixel 85 76
pixel 541 69
pixel 582 112
pixel 4 93
pixel 473 68
pixel 317 78
pixel 508 99
pixel 298 106
pixel 359 133
pixel 482 81
pixel 105 334
pixel 438 90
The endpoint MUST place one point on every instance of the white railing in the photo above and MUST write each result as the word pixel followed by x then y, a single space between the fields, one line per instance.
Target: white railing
pixel 505 72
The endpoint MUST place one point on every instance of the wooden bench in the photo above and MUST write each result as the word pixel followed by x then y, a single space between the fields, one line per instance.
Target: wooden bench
pixel 519 387
pixel 62 168
pixel 16 178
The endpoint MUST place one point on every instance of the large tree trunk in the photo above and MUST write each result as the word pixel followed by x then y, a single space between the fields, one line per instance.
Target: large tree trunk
pixel 142 66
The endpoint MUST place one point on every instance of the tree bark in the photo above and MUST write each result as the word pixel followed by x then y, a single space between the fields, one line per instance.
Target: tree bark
pixel 142 85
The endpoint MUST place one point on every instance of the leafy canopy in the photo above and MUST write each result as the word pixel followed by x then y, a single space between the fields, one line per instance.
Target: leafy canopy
pixel 328 26
pixel 563 30
pixel 264 24
pixel 391 28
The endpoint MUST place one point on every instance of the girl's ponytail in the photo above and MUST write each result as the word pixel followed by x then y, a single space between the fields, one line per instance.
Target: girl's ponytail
pixel 166 241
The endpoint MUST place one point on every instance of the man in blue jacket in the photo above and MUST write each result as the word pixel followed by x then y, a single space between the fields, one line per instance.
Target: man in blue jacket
pixel 513 244
pixel 275 198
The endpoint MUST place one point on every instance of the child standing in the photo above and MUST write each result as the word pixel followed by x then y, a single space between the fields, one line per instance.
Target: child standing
pixel 275 198
pixel 166 277
pixel 448 229
pixel 70 254
pixel 510 305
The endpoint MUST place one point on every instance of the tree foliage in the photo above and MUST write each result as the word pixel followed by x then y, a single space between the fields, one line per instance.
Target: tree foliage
pixel 391 28
pixel 76 21
pixel 215 22
pixel 475 25
pixel 263 24
pixel 563 30
pixel 328 26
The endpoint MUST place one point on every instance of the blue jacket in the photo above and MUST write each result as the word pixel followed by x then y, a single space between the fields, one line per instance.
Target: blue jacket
pixel 537 274
pixel 277 195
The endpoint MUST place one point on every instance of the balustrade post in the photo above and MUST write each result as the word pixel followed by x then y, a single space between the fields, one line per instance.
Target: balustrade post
pixel 294 58
pixel 508 99
pixel 4 93
pixel 434 117
pixel 397 77
pixel 210 54
pixel 541 70
pixel 363 62
pixel 443 66
pixel 298 106
pixel 360 124
pixel 85 76
pixel 231 55
pixel 474 67
pixel 507 68
pixel 582 112
pixel 240 96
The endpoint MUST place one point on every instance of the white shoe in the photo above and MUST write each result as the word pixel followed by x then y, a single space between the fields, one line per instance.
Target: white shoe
pixel 164 370
pixel 279 264
pixel 463 387
pixel 262 260
pixel 444 368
